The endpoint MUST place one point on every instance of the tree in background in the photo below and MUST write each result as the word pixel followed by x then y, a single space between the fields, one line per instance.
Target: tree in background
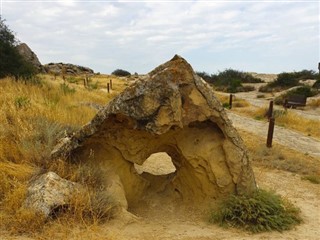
pixel 12 63
pixel 121 73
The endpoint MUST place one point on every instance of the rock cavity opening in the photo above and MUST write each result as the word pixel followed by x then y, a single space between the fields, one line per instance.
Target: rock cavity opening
pixel 157 164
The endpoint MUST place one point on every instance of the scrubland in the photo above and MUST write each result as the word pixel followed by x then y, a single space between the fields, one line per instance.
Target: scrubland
pixel 34 116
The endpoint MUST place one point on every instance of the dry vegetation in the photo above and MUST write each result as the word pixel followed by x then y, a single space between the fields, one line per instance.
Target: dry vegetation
pixel 33 117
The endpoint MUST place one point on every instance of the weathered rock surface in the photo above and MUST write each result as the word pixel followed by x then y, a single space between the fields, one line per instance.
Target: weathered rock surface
pixel 49 192
pixel 67 68
pixel 30 56
pixel 171 110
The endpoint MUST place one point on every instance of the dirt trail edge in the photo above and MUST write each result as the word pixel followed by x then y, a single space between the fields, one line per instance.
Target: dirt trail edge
pixel 281 135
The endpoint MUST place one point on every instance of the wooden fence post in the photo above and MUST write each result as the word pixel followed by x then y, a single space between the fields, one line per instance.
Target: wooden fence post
pixel 270 132
pixel 111 84
pixel 270 111
pixel 230 101
pixel 108 87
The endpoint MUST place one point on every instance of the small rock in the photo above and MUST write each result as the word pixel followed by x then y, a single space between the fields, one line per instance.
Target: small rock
pixel 49 192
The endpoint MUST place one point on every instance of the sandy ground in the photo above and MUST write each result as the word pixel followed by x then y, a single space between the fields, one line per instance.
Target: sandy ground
pixel 163 222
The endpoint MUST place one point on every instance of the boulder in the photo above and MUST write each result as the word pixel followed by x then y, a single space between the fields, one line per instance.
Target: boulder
pixel 30 56
pixel 173 111
pixel 67 68
pixel 49 192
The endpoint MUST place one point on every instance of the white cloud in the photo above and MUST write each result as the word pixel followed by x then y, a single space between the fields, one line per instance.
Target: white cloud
pixel 138 36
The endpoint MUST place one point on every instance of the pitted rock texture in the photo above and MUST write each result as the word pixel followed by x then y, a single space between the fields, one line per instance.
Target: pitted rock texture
pixel 171 110
pixel 49 192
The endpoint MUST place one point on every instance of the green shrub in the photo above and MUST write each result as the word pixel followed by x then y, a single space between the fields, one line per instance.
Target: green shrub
pixel 93 85
pixel 72 80
pixel 121 73
pixel 66 89
pixel 263 211
pixel 22 102
pixel 312 178
pixel 287 80
pixel 316 84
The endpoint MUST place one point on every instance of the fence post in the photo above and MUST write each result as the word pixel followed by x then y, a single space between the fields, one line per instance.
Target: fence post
pixel 270 132
pixel 230 101
pixel 270 111
pixel 111 84
pixel 108 87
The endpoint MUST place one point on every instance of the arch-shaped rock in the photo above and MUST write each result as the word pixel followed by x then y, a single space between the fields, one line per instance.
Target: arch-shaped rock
pixel 171 110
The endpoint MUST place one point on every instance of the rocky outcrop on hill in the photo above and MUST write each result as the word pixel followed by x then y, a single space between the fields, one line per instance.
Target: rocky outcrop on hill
pixel 30 56
pixel 67 68
pixel 172 111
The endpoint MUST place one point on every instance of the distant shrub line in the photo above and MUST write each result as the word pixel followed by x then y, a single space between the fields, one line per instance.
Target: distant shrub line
pixel 230 80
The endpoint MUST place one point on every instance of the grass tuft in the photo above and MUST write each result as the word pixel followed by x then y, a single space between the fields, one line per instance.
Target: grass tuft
pixel 263 211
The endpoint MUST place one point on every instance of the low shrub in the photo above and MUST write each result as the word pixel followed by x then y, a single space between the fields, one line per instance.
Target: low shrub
pixel 312 178
pixel 66 89
pixel 121 73
pixel 316 85
pixel 22 102
pixel 287 80
pixel 262 211
pixel 230 80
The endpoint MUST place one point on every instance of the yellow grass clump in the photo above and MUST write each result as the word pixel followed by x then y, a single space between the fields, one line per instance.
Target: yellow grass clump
pixel 314 103
pixel 236 102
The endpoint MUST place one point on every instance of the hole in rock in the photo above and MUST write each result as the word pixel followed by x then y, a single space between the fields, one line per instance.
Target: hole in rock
pixel 156 164
pixel 160 195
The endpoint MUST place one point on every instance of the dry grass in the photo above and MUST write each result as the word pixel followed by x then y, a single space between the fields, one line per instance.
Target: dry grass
pixel 280 157
pixel 287 119
pixel 32 118
pixel 314 103
pixel 236 102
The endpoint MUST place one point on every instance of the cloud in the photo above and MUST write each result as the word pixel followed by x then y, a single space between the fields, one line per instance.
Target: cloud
pixel 137 36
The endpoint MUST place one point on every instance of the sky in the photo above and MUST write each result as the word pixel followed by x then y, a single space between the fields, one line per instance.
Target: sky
pixel 137 36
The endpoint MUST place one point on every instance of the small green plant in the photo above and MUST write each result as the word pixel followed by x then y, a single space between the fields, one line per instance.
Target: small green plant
pixel 312 178
pixel 226 105
pixel 22 102
pixel 66 89
pixel 93 86
pixel 72 80
pixel 262 211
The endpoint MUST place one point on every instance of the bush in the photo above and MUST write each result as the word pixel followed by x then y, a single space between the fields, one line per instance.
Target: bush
pixel 287 80
pixel 66 89
pixel 316 84
pixel 263 211
pixel 22 102
pixel 121 73
pixel 12 63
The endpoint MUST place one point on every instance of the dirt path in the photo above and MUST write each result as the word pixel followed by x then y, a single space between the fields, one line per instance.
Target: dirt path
pixel 281 135
pixel 164 223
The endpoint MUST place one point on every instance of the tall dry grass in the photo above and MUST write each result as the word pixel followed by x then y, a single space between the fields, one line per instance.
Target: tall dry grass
pixel 32 119
pixel 290 120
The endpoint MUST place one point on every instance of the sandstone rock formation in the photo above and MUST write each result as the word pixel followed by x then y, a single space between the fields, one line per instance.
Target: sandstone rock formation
pixel 71 69
pixel 49 192
pixel 30 56
pixel 171 110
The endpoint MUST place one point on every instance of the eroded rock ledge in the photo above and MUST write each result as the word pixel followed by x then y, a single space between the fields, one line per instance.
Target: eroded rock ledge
pixel 172 110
